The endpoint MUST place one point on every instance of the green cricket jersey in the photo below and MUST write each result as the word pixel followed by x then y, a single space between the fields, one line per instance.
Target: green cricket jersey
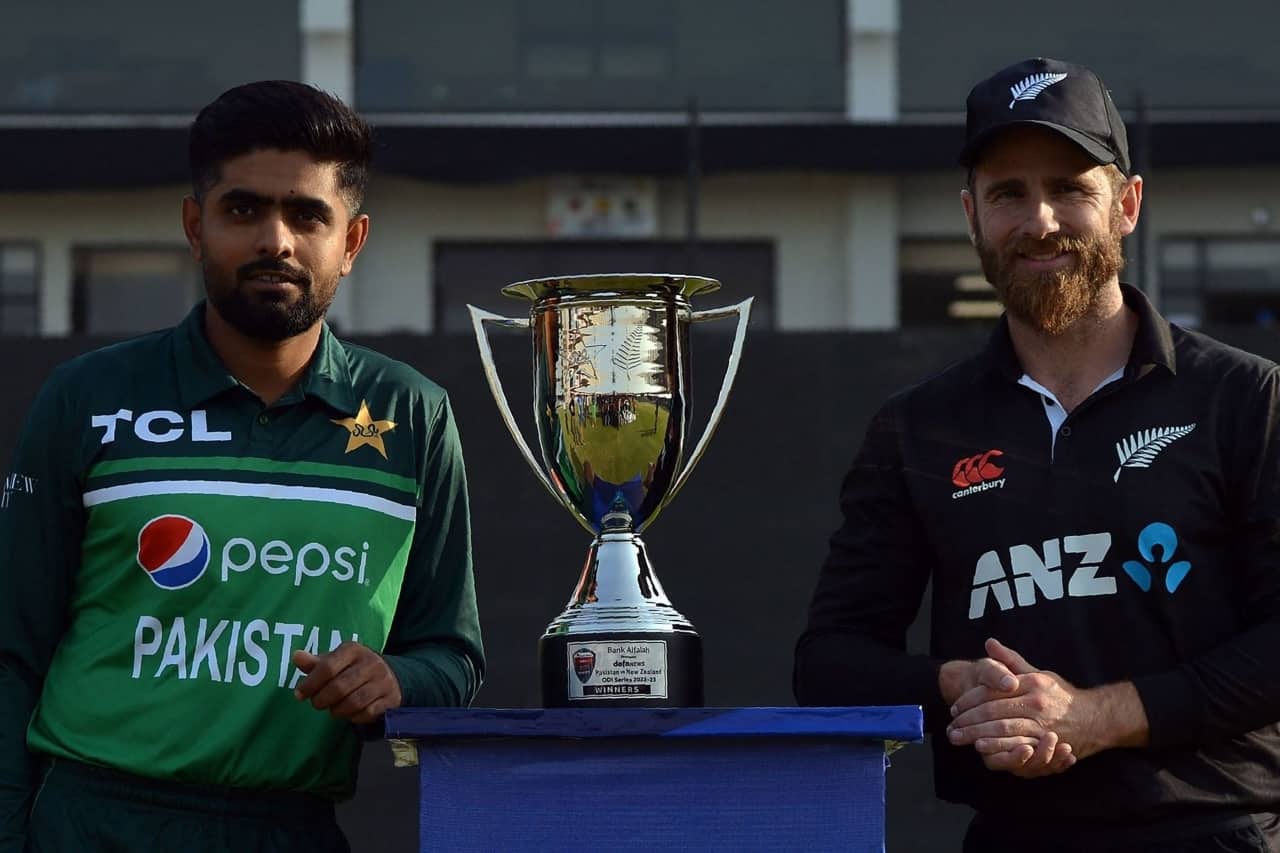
pixel 166 542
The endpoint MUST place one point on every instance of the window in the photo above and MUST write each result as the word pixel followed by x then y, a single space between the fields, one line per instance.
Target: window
pixel 19 289
pixel 128 291
pixel 614 55
pixel 1220 280
pixel 142 56
pixel 941 284
pixel 1154 46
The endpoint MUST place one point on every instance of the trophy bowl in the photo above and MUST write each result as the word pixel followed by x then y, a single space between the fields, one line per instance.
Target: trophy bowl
pixel 611 406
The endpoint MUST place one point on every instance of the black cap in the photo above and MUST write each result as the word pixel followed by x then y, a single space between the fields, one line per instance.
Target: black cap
pixel 1059 96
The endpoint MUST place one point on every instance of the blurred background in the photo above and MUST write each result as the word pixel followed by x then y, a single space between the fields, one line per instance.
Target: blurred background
pixel 802 152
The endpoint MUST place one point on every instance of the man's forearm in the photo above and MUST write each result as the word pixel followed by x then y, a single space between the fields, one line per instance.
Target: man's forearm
pixel 435 675
pixel 1119 718
pixel 842 668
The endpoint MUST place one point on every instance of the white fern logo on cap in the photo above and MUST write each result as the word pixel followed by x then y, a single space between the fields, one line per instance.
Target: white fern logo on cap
pixel 1032 86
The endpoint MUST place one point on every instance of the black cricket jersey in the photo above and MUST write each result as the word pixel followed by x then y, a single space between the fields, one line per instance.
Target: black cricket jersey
pixel 1143 544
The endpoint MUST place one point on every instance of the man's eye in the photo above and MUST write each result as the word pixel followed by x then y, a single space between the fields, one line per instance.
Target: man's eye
pixel 241 210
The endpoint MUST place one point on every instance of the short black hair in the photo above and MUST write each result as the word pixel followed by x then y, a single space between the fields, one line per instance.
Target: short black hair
pixel 285 116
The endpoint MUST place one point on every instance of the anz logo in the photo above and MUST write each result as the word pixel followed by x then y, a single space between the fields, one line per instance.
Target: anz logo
pixel 1032 574
pixel 1038 573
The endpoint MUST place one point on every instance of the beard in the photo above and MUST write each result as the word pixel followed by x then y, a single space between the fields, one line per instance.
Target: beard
pixel 1052 300
pixel 267 317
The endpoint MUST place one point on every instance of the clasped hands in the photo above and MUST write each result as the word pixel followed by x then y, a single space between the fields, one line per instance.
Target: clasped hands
pixel 1021 720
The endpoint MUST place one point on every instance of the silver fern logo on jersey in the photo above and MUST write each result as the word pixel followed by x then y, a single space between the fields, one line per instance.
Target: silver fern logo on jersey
pixel 1029 88
pixel 1141 449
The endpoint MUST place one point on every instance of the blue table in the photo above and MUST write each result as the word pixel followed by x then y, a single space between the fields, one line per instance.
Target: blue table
pixel 643 779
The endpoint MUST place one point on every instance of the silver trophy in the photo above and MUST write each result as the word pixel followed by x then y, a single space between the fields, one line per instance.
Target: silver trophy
pixel 611 389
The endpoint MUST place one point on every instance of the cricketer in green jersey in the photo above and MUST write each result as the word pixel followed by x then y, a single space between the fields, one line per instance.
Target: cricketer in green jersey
pixel 227 545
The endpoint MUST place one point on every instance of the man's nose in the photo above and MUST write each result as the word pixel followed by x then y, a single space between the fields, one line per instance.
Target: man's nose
pixel 1041 220
pixel 274 238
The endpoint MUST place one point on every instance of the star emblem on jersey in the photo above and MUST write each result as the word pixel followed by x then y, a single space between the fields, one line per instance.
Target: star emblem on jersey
pixel 365 430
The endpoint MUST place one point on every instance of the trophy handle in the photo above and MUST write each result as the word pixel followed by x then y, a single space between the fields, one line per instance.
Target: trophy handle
pixel 478 318
pixel 743 312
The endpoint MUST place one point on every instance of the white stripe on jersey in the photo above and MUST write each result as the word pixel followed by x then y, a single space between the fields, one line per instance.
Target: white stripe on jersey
pixel 271 491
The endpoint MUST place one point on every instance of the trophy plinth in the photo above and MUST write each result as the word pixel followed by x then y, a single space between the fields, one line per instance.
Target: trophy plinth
pixel 611 409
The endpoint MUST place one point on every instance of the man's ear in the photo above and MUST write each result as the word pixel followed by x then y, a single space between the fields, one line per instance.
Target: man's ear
pixel 1130 204
pixel 970 215
pixel 357 234
pixel 192 224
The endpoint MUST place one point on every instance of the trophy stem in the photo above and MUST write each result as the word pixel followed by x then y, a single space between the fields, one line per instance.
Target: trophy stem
pixel 619 642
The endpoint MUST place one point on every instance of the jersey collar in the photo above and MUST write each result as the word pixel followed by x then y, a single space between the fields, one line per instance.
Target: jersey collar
pixel 1152 344
pixel 202 375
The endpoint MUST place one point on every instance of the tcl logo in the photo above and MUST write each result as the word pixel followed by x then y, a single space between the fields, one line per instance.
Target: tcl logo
pixel 158 427
pixel 976 469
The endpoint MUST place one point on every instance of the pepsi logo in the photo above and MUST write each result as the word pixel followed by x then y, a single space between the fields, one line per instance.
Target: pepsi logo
pixel 173 550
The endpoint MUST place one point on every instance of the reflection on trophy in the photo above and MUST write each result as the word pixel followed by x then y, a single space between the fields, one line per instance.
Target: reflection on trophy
pixel 611 403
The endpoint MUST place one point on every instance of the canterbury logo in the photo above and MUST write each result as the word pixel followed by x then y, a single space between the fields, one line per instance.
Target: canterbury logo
pixel 976 469
pixel 1030 88
pixel 1141 449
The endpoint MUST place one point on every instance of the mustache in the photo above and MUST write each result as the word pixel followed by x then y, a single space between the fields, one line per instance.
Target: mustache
pixel 1055 244
pixel 270 267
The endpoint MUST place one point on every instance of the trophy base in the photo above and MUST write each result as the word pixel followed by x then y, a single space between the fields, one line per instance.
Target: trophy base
pixel 620 643
pixel 621 669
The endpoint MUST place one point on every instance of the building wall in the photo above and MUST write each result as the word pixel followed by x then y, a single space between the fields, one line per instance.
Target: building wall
pixel 59 222
pixel 805 216
pixel 1152 46
pixel 834 235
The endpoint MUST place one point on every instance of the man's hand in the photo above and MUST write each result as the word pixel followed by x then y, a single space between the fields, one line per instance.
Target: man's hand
pixel 958 677
pixel 999 675
pixel 352 682
pixel 1090 720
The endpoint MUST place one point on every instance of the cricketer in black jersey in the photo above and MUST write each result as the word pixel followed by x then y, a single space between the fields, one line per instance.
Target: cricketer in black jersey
pixel 1099 491
pixel 1143 543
